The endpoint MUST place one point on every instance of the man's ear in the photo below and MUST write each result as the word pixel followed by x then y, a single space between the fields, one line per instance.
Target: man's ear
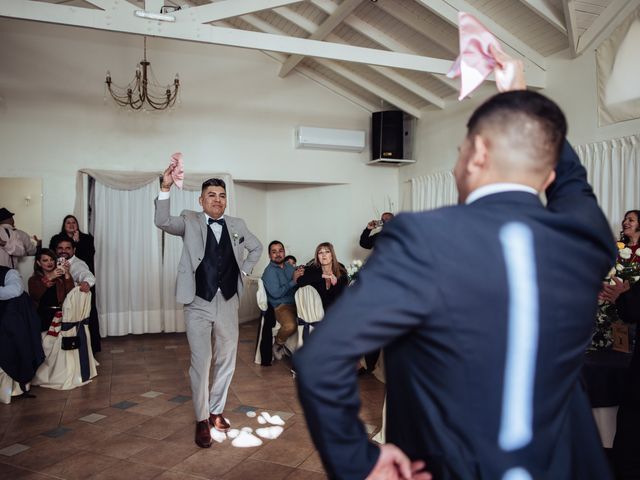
pixel 479 158
pixel 200 200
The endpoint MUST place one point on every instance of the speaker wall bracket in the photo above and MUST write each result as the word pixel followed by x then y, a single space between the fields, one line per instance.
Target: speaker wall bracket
pixel 391 162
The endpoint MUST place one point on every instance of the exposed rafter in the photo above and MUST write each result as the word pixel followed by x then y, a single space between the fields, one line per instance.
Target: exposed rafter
pixel 364 28
pixel 374 34
pixel 405 16
pixel 572 27
pixel 410 85
pixel 369 85
pixel 535 64
pixel 600 23
pixel 542 8
pixel 228 9
pixel 344 72
pixel 321 32
pixel 121 19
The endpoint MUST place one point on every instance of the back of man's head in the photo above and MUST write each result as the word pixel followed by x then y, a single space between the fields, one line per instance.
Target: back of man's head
pixel 523 129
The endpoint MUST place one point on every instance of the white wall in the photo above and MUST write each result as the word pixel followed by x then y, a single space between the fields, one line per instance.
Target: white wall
pixel 236 115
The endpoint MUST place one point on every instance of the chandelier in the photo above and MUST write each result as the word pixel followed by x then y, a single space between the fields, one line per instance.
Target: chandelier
pixel 141 89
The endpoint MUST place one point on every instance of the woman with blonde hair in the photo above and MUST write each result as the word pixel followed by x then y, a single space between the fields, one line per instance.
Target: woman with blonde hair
pixel 325 274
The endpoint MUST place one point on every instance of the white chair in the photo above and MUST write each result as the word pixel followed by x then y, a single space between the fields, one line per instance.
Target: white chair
pixel 310 311
pixel 263 305
pixel 9 388
pixel 68 369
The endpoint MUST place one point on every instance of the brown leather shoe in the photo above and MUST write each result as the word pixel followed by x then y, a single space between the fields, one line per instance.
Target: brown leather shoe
pixel 218 422
pixel 203 434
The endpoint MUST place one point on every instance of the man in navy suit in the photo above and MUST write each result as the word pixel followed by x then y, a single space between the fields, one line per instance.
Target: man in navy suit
pixel 484 311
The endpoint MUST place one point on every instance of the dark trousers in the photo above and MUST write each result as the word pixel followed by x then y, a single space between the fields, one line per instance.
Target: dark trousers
pixel 370 360
pixel 94 324
pixel 267 337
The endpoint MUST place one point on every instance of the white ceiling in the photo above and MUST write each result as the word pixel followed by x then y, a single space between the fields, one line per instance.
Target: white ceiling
pixel 379 54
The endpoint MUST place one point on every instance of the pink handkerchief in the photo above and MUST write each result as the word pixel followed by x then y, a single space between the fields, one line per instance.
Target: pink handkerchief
pixel 178 169
pixel 475 62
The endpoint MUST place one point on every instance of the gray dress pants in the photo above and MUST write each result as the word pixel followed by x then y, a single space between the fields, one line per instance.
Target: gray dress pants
pixel 206 320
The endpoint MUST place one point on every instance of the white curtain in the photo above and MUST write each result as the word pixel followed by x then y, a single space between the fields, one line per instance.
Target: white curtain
pixel 433 191
pixel 173 314
pixel 136 264
pixel 128 260
pixel 613 169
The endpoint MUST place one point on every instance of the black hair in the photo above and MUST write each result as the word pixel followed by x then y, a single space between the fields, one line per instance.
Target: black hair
pixel 64 220
pixel 214 182
pixel 290 257
pixel 39 253
pixel 64 239
pixel 274 242
pixel 510 108
pixel 623 238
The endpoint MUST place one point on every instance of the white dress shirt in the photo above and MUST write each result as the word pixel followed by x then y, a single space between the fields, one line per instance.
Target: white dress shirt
pixel 80 272
pixel 492 188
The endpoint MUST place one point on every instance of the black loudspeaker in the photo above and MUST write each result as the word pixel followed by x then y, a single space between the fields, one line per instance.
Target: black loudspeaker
pixel 387 134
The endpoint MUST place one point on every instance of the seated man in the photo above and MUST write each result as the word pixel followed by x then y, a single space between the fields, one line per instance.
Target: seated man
pixel 369 235
pixel 20 342
pixel 14 243
pixel 79 270
pixel 279 280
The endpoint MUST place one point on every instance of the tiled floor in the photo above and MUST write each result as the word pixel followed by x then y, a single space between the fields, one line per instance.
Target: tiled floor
pixel 135 420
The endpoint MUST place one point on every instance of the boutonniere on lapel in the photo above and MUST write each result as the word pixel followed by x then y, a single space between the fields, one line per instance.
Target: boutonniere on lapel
pixel 235 238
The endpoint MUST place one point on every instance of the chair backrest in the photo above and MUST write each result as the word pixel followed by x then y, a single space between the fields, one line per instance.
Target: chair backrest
pixel 309 304
pixel 261 296
pixel 76 306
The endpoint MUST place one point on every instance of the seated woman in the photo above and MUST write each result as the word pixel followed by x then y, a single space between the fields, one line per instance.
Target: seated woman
pixel 49 286
pixel 325 274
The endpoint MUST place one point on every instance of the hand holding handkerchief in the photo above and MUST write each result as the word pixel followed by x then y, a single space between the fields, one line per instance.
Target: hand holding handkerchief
pixel 481 54
pixel 176 169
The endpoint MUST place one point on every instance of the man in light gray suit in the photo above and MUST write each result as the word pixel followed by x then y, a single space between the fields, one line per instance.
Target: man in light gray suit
pixel 209 284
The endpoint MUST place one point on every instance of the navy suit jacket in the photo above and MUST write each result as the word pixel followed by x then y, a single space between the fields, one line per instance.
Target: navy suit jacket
pixel 435 295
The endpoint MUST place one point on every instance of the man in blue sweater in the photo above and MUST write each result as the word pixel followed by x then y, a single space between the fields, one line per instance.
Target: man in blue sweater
pixel 279 280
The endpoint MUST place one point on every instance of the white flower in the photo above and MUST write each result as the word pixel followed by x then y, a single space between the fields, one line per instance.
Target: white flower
pixel 357 263
pixel 619 267
pixel 625 253
pixel 635 279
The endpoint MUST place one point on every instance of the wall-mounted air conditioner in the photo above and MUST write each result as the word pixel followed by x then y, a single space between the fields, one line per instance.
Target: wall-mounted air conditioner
pixel 330 139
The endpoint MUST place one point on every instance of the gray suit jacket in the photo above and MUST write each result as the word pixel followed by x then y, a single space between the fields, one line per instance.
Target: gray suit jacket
pixel 192 227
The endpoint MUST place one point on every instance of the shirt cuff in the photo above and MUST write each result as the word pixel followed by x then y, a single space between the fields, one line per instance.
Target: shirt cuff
pixel 163 195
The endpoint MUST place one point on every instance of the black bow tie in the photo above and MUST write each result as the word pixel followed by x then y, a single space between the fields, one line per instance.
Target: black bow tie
pixel 220 221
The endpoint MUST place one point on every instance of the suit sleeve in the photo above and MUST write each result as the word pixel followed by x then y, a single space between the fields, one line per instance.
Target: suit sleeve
pixel 571 194
pixel 367 241
pixel 394 294
pixel 164 221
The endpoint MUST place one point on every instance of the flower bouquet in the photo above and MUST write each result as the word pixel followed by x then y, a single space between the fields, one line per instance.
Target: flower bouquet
pixel 627 268
pixel 352 270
